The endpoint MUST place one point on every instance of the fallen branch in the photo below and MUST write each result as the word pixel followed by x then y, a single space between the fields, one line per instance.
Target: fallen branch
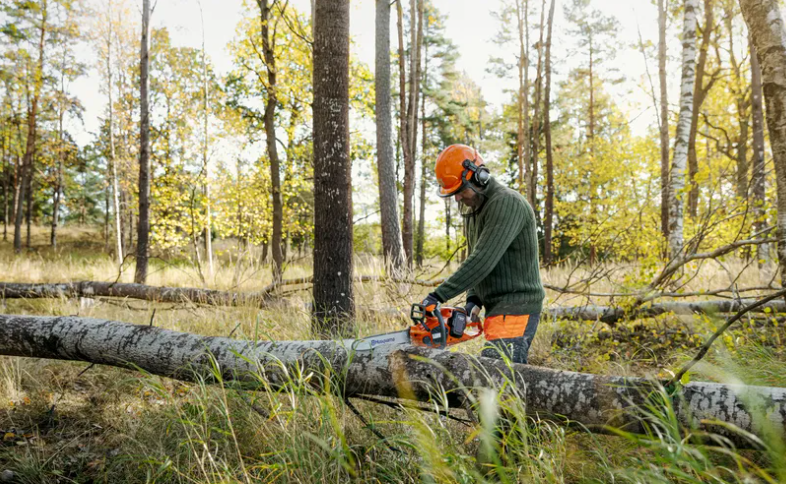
pixel 590 312
pixel 706 346
pixel 389 371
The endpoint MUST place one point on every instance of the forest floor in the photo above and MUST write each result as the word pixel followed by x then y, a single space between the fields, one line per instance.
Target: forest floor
pixel 65 422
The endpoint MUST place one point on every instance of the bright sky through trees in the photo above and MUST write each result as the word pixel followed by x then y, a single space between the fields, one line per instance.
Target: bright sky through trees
pixel 469 25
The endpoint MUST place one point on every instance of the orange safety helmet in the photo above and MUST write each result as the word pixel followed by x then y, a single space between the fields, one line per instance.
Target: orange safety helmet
pixel 456 166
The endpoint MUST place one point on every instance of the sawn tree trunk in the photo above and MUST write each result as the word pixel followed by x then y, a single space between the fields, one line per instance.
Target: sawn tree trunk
pixel 390 371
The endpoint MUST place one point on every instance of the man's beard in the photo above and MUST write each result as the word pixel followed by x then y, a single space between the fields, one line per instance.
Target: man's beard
pixel 471 203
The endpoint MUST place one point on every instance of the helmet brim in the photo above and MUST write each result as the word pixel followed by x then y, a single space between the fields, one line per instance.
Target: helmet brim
pixel 450 191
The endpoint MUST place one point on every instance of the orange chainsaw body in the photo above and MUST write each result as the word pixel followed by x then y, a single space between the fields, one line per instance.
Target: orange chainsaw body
pixel 426 330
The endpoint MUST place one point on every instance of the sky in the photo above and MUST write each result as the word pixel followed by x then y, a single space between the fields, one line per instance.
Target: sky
pixel 470 25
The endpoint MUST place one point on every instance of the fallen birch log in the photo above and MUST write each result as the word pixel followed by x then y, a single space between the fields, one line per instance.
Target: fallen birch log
pixel 211 297
pixel 611 314
pixel 11 290
pixel 389 371
pixel 606 314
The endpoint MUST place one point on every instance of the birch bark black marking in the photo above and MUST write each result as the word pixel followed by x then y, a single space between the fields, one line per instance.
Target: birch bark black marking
pixel 390 371
pixel 679 164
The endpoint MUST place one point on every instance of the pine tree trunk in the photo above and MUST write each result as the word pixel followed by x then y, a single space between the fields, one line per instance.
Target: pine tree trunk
pixel 447 225
pixel 664 122
pixel 758 177
pixel 143 227
pixel 333 310
pixel 56 197
pixel 388 195
pixel 677 175
pixel 416 39
pixel 403 135
pixel 29 210
pixel 549 208
pixel 591 143
pixel 268 46
pixel 742 102
pixel 766 27
pixel 423 166
pixel 205 165
pixel 29 156
pixel 107 210
pixel 522 16
pixel 112 148
pixel 61 153
pixel 532 190
pixel 6 181
pixel 699 94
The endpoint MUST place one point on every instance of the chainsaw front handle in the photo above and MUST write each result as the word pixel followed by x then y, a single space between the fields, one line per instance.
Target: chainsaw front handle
pixel 418 314
pixel 443 329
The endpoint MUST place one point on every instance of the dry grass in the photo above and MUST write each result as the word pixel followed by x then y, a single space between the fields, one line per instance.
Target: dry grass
pixel 110 425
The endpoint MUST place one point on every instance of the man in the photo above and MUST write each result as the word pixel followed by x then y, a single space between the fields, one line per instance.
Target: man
pixel 501 273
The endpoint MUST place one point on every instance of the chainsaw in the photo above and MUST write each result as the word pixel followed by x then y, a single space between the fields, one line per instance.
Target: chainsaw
pixel 439 328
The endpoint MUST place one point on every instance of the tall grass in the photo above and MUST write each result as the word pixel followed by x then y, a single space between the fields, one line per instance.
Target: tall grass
pixel 60 425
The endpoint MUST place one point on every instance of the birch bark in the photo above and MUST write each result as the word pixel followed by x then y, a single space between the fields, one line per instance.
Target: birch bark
pixel 679 163
pixel 399 371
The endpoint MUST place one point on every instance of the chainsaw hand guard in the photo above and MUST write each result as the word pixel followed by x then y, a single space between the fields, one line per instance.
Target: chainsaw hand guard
pixel 430 330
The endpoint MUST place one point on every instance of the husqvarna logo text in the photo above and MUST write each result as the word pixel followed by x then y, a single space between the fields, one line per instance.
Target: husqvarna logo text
pixel 376 342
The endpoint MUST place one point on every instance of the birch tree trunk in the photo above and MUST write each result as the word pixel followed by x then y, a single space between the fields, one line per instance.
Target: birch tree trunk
pixel 677 175
pixel 398 371
pixel 392 248
pixel 766 28
pixel 664 122
pixel 143 227
pixel 549 206
pixel 333 310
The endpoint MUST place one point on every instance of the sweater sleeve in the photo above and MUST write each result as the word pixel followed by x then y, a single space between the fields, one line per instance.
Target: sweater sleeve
pixel 504 219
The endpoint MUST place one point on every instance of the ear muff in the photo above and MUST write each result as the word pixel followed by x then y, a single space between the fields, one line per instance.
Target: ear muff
pixel 480 174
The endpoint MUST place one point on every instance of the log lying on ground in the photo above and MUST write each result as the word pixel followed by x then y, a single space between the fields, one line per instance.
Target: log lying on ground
pixel 389 371
pixel 611 314
pixel 10 290
pixel 211 297
pixel 606 314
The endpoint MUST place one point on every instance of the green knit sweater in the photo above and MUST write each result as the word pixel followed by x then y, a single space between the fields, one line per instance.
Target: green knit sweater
pixel 502 267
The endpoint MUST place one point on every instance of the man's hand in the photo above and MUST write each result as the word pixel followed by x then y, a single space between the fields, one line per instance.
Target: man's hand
pixel 430 303
pixel 472 308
